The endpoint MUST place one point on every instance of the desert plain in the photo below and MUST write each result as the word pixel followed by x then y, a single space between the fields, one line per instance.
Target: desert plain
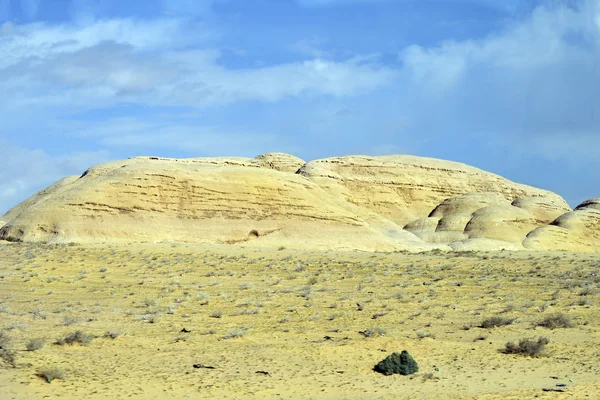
pixel 191 321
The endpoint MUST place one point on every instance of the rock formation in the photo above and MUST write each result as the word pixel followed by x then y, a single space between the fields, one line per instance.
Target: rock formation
pixel 368 203
pixel 280 162
pixel 405 188
pixel 578 230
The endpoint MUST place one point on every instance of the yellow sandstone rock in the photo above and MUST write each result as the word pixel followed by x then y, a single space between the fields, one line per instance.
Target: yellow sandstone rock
pixel 384 203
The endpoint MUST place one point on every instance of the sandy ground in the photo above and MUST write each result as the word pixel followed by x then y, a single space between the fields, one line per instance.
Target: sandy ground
pixel 286 324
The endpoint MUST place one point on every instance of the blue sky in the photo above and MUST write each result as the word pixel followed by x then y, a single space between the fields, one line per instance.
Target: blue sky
pixel 508 86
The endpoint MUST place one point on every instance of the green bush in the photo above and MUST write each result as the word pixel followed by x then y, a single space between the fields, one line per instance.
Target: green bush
pixel 397 363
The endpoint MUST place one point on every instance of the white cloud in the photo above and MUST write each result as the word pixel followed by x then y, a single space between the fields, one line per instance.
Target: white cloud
pixel 541 41
pixel 152 62
pixel 38 43
pixel 143 134
pixel 311 47
pixel 537 78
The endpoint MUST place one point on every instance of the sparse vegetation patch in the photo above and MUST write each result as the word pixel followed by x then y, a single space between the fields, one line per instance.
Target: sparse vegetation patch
pixel 77 337
pixel 527 347
pixel 494 322
pixel 50 374
pixel 556 321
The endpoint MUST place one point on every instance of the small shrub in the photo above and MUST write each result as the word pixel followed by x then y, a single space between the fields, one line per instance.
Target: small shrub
pixel 397 363
pixel 16 325
pixel 202 298
pixel 246 312
pixel 78 337
pixel 35 344
pixel 38 313
pixel 9 356
pixel 69 320
pixel 527 347
pixel 373 332
pixel 430 376
pixel 171 309
pixel 150 302
pixel 112 334
pixel 584 301
pixel 149 318
pixel 7 353
pixel 313 280
pixel 235 333
pixel 494 322
pixel 50 374
pixel 425 334
pixel 556 321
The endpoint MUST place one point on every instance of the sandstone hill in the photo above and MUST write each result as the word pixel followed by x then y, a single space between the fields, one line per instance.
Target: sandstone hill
pixel 355 202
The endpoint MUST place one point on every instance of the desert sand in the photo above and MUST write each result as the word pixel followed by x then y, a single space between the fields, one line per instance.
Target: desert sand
pixel 314 322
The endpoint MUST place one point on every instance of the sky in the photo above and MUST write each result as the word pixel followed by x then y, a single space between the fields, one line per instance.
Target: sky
pixel 509 86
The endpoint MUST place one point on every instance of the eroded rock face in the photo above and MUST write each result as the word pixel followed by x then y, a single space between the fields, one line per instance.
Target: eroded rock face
pixel 369 203
pixel 219 200
pixel 280 162
pixel 578 230
pixel 543 209
pixel 468 203
pixel 589 204
pixel 505 223
pixel 486 215
pixel 405 188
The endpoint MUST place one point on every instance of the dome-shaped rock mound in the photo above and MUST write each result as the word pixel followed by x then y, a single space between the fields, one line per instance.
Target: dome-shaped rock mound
pixel 505 223
pixel 468 203
pixel 543 209
pixel 577 230
pixel 382 203
pixel 213 200
pixel 589 204
pixel 486 215
pixel 280 162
